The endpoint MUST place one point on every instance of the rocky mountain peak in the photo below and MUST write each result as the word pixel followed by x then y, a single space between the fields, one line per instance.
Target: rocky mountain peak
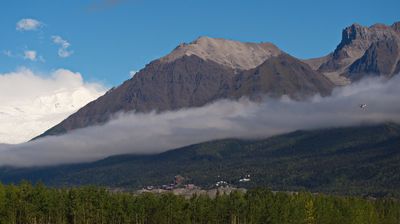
pixel 353 32
pixel 233 54
pixel 396 26
pixel 356 40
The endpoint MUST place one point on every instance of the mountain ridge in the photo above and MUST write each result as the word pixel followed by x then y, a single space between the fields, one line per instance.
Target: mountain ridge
pixel 209 69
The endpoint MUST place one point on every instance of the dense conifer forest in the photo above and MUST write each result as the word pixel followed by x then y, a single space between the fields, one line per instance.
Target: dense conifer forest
pixel 24 203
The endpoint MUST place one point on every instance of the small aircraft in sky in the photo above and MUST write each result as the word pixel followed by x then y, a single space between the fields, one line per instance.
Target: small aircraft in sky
pixel 363 106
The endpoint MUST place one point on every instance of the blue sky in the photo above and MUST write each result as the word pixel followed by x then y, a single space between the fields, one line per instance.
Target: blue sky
pixel 109 38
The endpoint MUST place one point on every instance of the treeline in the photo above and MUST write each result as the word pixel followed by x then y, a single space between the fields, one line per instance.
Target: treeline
pixel 25 204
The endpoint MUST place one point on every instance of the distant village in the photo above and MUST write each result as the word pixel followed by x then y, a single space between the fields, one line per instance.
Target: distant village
pixel 180 187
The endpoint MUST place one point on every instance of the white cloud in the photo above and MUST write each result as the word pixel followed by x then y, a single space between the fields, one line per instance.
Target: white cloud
pixel 63 50
pixel 30 55
pixel 28 24
pixel 153 133
pixel 31 103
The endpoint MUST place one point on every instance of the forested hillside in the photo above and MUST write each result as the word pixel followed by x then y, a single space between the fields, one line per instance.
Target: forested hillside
pixel 356 160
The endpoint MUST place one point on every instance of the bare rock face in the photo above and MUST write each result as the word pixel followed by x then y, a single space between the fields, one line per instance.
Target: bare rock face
pixel 233 54
pixel 363 51
pixel 202 72
pixel 381 59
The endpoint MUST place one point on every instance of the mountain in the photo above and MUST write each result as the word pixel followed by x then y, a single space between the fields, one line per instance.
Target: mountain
pixel 201 72
pixel 351 160
pixel 209 69
pixel 363 51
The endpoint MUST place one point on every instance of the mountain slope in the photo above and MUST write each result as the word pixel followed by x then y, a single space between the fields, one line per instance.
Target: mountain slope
pixel 187 81
pixel 196 74
pixel 282 75
pixel 353 160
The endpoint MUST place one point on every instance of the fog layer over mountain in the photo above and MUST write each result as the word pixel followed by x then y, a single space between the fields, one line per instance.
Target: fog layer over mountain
pixel 154 133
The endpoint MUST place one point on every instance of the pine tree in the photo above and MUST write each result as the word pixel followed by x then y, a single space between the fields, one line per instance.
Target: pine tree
pixel 310 212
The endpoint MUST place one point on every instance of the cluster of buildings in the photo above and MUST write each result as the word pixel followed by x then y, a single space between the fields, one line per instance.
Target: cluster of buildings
pixel 245 179
pixel 222 183
pixel 179 184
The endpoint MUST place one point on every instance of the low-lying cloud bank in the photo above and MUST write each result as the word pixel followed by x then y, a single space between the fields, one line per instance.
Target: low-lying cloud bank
pixel 31 103
pixel 154 133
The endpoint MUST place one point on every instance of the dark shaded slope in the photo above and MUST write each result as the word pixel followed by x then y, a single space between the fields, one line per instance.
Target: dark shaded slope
pixel 187 82
pixel 192 82
pixel 283 75
pixel 355 160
